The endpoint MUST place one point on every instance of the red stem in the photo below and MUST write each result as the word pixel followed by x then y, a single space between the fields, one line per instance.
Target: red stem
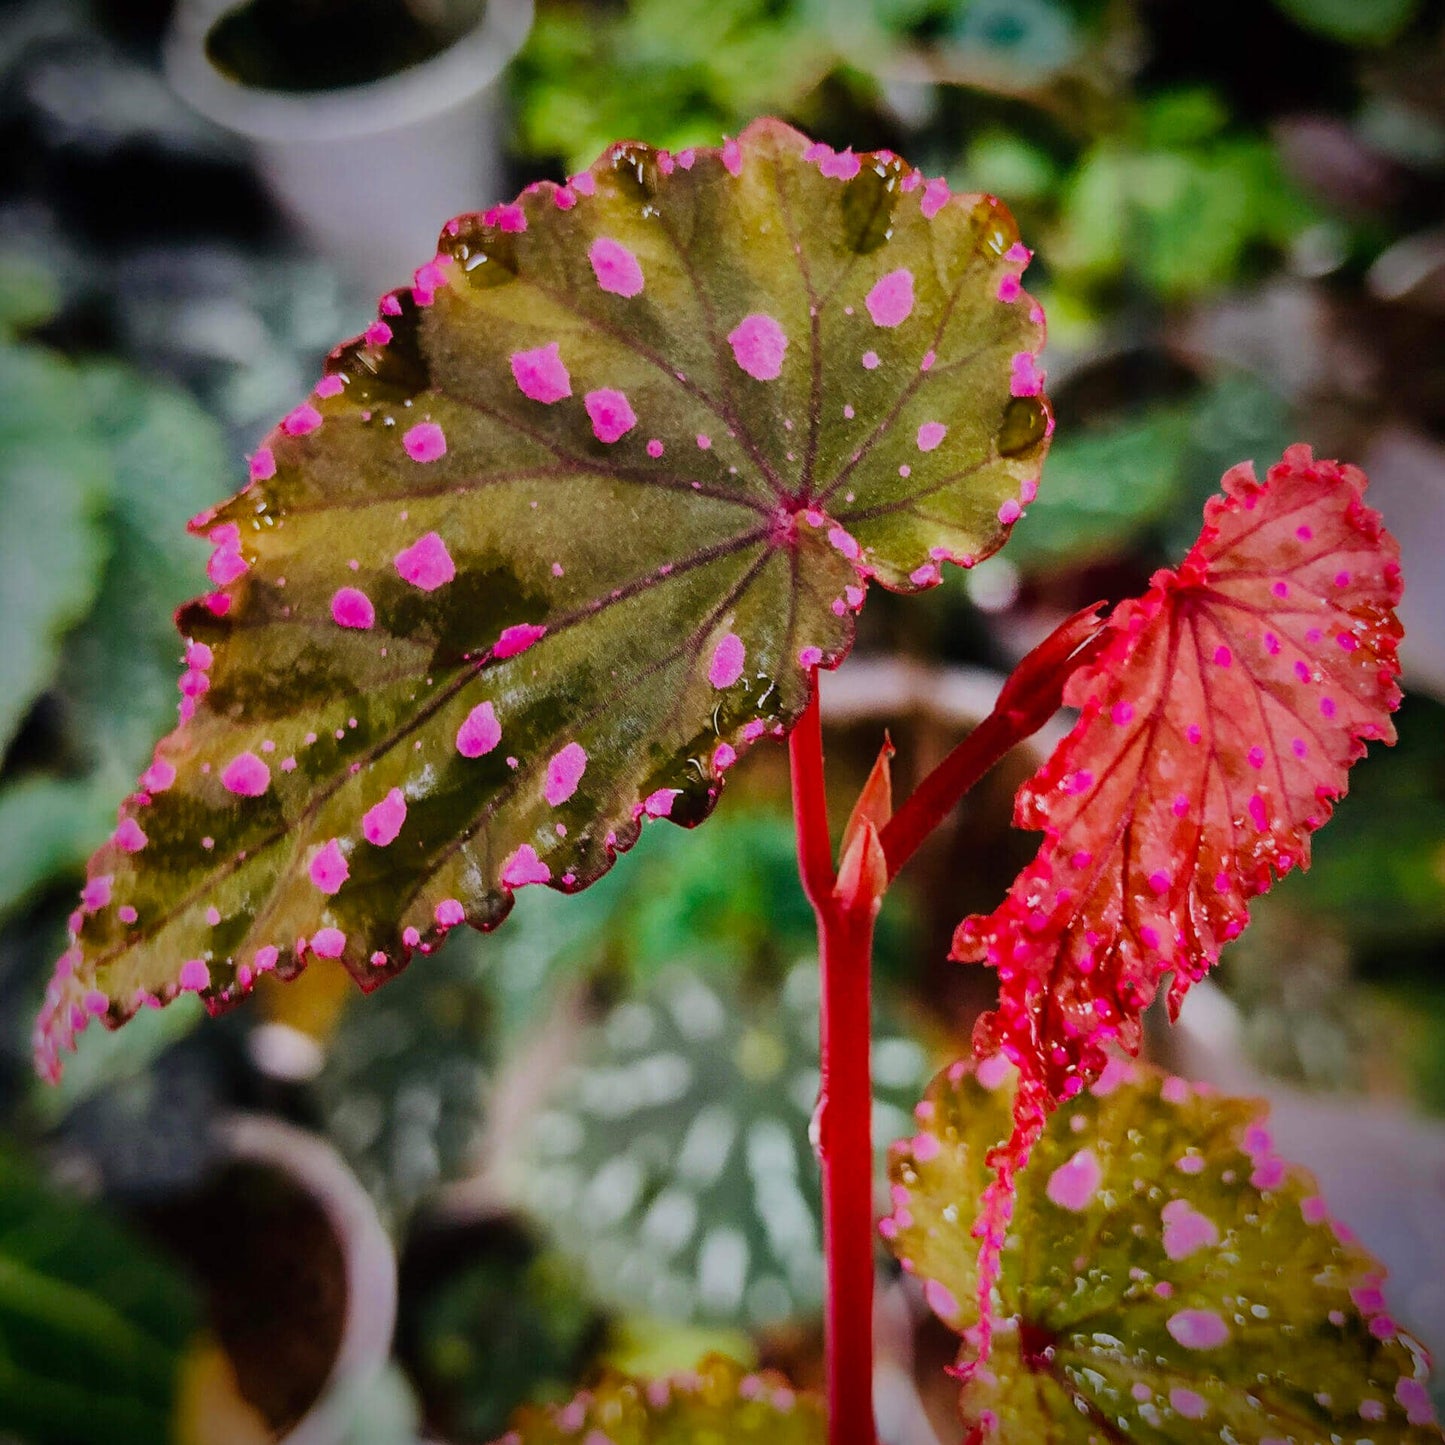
pixel 810 806
pixel 845 1136
pixel 1030 697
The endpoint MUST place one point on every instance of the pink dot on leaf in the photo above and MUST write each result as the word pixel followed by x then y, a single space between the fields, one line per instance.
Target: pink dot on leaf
pixel 1074 1184
pixel 1025 377
pixel 524 867
pixel 426 563
pixel 449 913
pixel 304 419
pixel 611 414
pixel 541 375
pixel 935 197
pixel 351 607
pixel 246 776
pixel 425 442
pixel 1187 1403
pixel 564 773
pixel 1197 1329
pixel 329 869
pixel 658 804
pixel 480 733
pixel 615 267
pixel 381 823
pixel 728 660
pixel 890 302
pixel 517 638
pixel 328 943
pixel 194 975
pixel 758 344
pixel 930 434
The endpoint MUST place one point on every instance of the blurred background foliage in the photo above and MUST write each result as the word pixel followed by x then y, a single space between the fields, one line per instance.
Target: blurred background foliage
pixel 1237 209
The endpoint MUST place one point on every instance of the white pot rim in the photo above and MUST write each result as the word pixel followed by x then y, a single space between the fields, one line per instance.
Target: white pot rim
pixel 370 1260
pixel 449 80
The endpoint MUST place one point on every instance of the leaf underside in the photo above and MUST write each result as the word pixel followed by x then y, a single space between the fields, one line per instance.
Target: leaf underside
pixel 1166 1276
pixel 718 1401
pixel 561 535
pixel 1217 727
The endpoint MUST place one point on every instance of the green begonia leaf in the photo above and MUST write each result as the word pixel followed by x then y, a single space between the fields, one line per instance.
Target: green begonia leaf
pixel 564 532
pixel 674 1161
pixel 53 484
pixel 716 1402
pixel 1166 1277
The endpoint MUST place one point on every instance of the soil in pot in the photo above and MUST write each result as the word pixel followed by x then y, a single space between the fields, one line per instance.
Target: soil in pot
pixel 313 45
pixel 275 1282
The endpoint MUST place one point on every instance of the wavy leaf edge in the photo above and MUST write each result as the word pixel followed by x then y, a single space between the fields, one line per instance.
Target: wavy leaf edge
pixel 78 993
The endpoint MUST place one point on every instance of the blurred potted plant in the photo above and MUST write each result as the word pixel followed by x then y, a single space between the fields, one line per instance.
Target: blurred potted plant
pixel 368 118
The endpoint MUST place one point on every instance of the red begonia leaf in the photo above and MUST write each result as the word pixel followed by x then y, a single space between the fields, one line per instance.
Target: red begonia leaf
pixel 568 528
pixel 1217 726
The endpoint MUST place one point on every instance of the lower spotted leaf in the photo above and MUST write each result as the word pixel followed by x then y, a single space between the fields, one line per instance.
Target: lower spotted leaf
pixel 717 1402
pixel 1164 1277
pixel 560 536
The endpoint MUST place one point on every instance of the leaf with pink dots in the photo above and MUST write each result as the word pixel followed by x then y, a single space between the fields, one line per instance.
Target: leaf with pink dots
pixel 717 1401
pixel 551 544
pixel 1217 727
pixel 1165 1275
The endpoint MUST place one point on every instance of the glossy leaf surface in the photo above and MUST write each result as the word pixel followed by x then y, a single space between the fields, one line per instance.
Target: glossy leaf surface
pixel 716 1402
pixel 1217 726
pixel 1166 1277
pixel 565 531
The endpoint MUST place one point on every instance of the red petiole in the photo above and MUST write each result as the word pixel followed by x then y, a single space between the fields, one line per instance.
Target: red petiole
pixel 846 904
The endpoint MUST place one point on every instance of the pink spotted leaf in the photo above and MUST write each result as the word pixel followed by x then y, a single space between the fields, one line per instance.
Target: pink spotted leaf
pixel 1217 726
pixel 717 1401
pixel 551 544
pixel 1164 1274
pixel 1220 713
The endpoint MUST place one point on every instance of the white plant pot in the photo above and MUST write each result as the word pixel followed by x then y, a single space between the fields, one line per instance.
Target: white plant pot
pixel 370 1262
pixel 367 173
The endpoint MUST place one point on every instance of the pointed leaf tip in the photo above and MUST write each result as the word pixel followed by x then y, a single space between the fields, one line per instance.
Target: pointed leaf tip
pixel 556 539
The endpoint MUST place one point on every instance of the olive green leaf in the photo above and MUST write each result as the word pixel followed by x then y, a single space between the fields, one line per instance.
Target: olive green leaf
pixel 561 535
pixel 1166 1277
pixel 718 1401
